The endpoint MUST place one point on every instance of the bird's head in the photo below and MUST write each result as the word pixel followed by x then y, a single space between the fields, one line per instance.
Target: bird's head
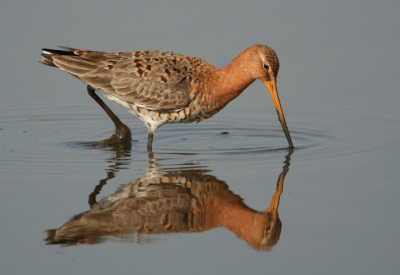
pixel 265 67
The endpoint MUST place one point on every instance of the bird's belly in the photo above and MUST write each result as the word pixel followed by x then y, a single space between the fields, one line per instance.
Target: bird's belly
pixel 154 118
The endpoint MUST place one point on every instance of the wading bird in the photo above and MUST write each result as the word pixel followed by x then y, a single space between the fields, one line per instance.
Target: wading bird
pixel 163 87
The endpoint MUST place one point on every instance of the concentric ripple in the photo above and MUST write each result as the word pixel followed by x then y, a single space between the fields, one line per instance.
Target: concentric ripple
pixel 42 138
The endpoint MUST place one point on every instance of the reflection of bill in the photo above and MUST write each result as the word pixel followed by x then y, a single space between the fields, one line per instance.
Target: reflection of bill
pixel 173 202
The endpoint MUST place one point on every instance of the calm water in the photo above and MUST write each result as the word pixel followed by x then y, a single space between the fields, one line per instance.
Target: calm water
pixel 220 197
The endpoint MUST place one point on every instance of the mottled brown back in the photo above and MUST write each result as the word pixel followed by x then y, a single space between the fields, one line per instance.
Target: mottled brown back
pixel 155 80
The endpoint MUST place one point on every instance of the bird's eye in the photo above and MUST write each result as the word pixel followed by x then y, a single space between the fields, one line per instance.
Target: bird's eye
pixel 266 67
pixel 267 231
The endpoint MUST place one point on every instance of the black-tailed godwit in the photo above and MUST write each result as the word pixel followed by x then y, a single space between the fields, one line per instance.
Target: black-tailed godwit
pixel 163 87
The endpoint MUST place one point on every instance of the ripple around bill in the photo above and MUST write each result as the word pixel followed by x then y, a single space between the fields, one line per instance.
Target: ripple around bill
pixel 226 138
pixel 233 140
pixel 211 140
pixel 334 133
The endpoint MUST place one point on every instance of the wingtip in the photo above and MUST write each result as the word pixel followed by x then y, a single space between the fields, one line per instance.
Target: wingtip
pixel 45 51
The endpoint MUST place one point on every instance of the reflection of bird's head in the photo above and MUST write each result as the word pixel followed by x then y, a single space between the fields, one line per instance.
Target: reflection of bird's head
pixel 265 232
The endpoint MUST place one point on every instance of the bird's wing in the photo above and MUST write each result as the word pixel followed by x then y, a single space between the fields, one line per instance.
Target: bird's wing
pixel 153 80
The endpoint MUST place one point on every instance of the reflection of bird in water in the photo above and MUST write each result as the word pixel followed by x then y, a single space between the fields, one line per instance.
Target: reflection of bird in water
pixel 164 87
pixel 173 202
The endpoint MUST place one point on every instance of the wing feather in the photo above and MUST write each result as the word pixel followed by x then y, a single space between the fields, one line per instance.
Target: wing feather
pixel 152 79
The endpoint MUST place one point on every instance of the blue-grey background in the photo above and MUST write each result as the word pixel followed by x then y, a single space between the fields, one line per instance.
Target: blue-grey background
pixel 339 87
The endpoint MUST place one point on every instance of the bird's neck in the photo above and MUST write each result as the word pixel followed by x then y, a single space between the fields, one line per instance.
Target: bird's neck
pixel 230 81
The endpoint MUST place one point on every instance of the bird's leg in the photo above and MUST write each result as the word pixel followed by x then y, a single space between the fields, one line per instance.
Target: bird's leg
pixel 122 134
pixel 150 142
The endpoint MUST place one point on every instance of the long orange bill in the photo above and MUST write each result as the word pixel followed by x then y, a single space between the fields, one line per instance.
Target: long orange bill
pixel 271 86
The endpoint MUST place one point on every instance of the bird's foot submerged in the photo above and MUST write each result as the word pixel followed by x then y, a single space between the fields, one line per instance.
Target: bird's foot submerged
pixel 122 136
